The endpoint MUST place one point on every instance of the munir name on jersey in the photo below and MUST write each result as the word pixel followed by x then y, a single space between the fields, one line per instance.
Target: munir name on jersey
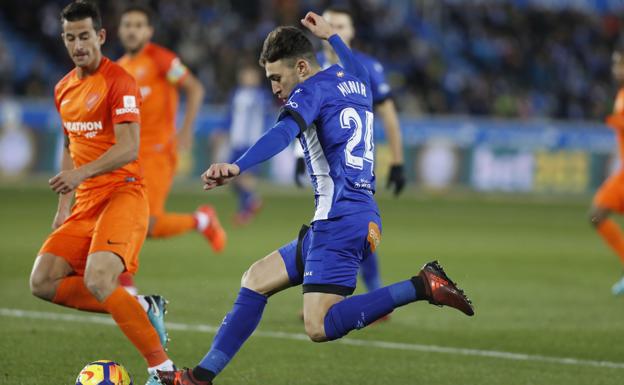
pixel 351 87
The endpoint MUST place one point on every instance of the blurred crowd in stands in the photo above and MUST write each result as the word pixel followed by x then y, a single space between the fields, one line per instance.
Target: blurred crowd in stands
pixel 441 56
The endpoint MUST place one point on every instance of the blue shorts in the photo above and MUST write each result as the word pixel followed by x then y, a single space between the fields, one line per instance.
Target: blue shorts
pixel 326 257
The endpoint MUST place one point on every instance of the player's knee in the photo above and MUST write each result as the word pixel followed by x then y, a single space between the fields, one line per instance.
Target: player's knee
pixel 252 280
pixel 41 286
pixel 315 330
pixel 99 282
pixel 596 217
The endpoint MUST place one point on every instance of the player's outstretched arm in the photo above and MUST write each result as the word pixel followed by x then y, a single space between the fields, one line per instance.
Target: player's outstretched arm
pixel 125 150
pixel 321 29
pixel 269 145
pixel 219 174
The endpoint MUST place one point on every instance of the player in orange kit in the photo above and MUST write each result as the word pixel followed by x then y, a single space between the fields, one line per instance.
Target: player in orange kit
pixel 610 197
pixel 101 236
pixel 160 74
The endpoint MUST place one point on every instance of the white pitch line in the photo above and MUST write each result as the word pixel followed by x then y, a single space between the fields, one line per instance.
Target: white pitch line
pixel 29 314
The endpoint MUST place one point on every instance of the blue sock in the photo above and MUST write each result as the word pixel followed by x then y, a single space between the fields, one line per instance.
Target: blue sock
pixel 237 326
pixel 369 270
pixel 243 198
pixel 360 310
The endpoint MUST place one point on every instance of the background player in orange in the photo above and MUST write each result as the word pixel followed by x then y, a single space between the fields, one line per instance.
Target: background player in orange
pixel 610 197
pixel 79 264
pixel 160 74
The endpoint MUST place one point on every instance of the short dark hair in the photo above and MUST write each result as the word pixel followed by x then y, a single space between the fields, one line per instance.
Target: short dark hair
pixel 142 8
pixel 286 43
pixel 341 10
pixel 83 9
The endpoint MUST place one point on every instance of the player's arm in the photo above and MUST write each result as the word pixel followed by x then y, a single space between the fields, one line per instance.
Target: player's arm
pixel 194 92
pixel 124 151
pixel 63 209
pixel 615 121
pixel 270 144
pixel 387 111
pixel 321 29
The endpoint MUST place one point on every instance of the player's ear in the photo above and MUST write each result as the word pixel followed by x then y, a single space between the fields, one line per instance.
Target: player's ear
pixel 101 35
pixel 302 67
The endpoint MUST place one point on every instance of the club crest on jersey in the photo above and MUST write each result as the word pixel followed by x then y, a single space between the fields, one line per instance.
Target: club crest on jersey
pixel 91 100
pixel 340 74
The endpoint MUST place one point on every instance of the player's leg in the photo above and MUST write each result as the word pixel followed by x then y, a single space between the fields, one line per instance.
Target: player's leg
pixel 57 274
pixel 159 171
pixel 249 203
pixel 101 277
pixel 275 272
pixel 52 280
pixel 369 271
pixel 610 198
pixel 330 275
pixel 117 240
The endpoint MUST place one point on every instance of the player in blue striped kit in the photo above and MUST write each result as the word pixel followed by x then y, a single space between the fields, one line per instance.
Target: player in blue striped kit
pixel 330 112
pixel 249 111
pixel 341 21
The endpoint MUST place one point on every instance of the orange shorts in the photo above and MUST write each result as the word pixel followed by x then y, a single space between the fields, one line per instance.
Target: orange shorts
pixel 610 195
pixel 158 171
pixel 114 221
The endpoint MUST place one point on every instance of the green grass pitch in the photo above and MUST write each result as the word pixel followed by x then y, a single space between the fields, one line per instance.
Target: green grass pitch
pixel 539 277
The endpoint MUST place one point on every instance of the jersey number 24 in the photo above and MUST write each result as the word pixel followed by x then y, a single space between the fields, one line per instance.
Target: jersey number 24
pixel 349 118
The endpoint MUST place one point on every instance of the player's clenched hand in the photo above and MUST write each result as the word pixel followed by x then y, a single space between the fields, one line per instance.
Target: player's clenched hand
pixel 66 181
pixel 219 174
pixel 396 177
pixel 317 25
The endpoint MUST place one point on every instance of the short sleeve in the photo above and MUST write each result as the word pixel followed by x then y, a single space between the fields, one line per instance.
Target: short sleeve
pixel 124 100
pixel 303 105
pixel 169 65
pixel 379 85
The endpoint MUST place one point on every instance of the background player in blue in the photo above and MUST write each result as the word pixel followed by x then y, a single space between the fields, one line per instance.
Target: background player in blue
pixel 330 112
pixel 248 112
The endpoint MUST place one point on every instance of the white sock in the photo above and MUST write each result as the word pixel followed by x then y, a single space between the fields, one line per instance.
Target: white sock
pixel 202 220
pixel 132 290
pixel 143 302
pixel 165 366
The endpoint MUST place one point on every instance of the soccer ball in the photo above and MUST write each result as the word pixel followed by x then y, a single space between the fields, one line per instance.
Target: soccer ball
pixel 104 372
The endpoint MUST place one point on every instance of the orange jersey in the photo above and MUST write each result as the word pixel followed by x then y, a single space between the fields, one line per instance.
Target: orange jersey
pixel 158 72
pixel 616 120
pixel 89 109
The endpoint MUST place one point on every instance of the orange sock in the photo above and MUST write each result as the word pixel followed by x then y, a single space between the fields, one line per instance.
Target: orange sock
pixel 611 233
pixel 126 279
pixel 72 292
pixel 170 224
pixel 133 321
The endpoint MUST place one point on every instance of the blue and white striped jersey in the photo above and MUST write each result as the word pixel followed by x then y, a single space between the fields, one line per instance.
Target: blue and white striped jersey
pixel 247 116
pixel 379 85
pixel 333 109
